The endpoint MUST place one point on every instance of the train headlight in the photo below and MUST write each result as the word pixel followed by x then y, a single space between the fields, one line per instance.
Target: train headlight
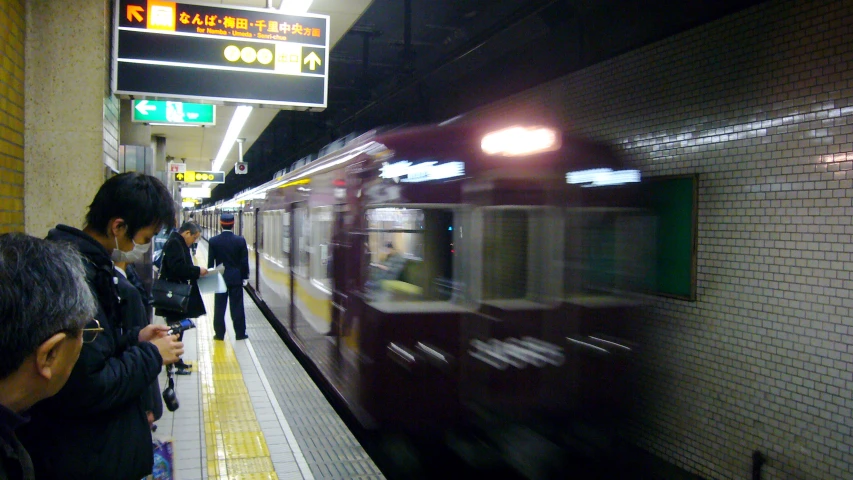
pixel 518 141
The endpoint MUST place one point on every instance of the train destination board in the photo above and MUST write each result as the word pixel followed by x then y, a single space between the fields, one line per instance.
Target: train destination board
pixel 211 52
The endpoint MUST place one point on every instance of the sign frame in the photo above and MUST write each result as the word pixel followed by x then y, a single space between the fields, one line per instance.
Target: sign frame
pixel 295 83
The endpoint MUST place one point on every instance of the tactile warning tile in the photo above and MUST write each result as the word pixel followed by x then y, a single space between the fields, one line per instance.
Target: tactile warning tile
pixel 235 446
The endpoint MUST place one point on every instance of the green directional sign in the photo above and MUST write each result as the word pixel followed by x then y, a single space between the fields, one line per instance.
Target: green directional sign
pixel 178 113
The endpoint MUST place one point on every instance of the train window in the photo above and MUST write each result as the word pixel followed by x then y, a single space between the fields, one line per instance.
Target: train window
pixel 302 237
pixel 608 251
pixel 321 220
pixel 409 254
pixel 518 249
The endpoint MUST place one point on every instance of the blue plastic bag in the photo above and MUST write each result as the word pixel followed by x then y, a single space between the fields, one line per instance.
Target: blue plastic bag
pixel 164 460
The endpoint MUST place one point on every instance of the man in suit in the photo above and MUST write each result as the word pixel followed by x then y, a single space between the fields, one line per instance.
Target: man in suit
pixel 231 251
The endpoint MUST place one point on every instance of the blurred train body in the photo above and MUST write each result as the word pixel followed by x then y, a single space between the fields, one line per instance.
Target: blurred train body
pixel 514 298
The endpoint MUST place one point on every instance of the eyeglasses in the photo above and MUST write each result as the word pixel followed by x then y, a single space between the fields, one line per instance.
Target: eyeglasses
pixel 90 334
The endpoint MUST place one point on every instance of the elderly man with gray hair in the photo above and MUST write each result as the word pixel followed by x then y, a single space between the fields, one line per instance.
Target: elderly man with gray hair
pixel 46 313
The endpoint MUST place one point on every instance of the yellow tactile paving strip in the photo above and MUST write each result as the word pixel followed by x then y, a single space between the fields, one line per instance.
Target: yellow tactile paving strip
pixel 235 445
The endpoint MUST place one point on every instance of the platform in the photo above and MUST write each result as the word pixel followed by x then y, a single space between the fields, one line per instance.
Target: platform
pixel 250 411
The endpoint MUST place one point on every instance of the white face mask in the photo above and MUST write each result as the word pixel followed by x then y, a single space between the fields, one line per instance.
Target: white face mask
pixel 132 256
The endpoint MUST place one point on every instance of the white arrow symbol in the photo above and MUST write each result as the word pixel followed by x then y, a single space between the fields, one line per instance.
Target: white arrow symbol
pixel 313 59
pixel 143 107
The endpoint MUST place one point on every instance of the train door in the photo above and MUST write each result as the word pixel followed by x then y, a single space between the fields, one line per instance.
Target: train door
pixel 297 227
pixel 337 271
pixel 257 246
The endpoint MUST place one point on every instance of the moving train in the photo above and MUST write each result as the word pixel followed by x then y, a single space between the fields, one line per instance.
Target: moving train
pixel 459 277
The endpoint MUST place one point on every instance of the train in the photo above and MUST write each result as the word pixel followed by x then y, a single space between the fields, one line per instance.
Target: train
pixel 468 276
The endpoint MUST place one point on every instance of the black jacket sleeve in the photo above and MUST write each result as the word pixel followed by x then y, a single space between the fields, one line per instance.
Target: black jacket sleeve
pixel 103 379
pixel 211 254
pixel 244 260
pixel 176 265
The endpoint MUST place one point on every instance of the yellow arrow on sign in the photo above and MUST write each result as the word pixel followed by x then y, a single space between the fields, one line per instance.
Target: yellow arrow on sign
pixel 179 176
pixel 314 59
pixel 133 11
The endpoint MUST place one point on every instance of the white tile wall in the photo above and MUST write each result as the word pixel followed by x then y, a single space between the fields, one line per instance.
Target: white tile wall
pixel 760 105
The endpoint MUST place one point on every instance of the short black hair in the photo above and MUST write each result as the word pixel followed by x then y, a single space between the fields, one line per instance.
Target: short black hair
pixel 141 200
pixel 43 291
pixel 191 227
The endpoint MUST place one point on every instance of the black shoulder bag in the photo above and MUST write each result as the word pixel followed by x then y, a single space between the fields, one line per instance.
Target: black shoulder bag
pixel 171 296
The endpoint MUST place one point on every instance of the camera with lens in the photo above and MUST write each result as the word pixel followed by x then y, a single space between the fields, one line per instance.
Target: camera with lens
pixel 180 327
pixel 170 398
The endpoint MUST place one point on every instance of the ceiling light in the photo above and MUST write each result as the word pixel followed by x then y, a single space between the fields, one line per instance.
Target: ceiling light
pixel 241 114
pixel 295 6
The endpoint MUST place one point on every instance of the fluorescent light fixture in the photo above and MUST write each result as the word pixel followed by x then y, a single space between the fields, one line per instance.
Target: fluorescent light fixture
pixel 195 192
pixel 422 172
pixel 241 114
pixel 295 6
pixel 518 141
pixel 600 177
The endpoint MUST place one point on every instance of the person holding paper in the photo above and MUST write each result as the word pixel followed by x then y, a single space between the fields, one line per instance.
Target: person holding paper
pixel 177 266
pixel 231 251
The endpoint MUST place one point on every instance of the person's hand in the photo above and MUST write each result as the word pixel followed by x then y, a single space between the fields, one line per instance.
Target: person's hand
pixel 170 348
pixel 151 332
pixel 245 282
pixel 150 416
pixel 203 271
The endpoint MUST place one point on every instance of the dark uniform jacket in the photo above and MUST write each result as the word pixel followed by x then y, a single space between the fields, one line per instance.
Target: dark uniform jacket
pixel 177 266
pixel 96 427
pixel 15 463
pixel 134 314
pixel 231 251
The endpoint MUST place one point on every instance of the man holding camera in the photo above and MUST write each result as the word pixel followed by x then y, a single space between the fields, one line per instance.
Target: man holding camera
pixel 96 427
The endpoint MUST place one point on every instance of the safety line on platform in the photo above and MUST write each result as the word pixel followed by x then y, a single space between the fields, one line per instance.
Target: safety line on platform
pixel 282 420
pixel 235 444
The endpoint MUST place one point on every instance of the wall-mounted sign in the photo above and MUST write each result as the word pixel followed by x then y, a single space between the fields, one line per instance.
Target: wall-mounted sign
pixel 200 177
pixel 239 54
pixel 179 113
pixel 174 167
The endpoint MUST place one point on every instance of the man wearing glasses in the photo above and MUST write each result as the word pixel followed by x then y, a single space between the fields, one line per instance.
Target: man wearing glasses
pixel 95 427
pixel 45 307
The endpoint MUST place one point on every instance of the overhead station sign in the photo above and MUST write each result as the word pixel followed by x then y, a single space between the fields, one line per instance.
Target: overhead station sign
pixel 178 113
pixel 194 51
pixel 199 177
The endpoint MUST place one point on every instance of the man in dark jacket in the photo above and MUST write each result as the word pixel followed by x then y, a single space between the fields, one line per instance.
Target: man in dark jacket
pixel 44 309
pixel 177 266
pixel 95 427
pixel 134 313
pixel 231 251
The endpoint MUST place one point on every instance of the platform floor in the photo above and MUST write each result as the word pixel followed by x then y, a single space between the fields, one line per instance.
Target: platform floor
pixel 249 411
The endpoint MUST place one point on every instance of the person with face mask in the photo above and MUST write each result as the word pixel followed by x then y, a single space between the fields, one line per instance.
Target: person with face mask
pixel 177 266
pixel 96 426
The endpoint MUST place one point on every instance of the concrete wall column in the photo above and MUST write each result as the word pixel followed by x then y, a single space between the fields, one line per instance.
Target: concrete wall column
pixel 71 126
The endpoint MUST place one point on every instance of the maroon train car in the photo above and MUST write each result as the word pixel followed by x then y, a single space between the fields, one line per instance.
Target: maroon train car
pixel 448 276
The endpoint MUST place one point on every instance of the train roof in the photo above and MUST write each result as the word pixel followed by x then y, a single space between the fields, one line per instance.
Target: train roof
pixel 446 142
